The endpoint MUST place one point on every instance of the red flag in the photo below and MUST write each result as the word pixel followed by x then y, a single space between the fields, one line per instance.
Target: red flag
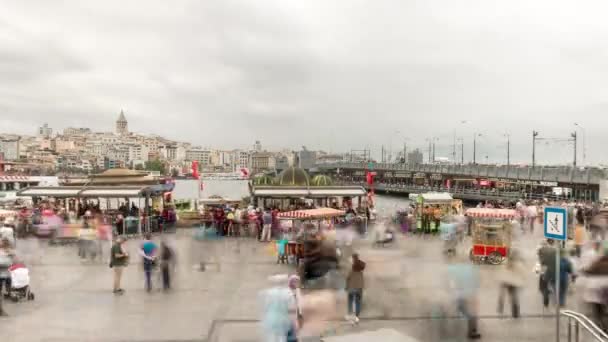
pixel 195 169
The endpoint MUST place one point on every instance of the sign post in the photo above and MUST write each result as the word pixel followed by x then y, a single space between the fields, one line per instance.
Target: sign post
pixel 556 226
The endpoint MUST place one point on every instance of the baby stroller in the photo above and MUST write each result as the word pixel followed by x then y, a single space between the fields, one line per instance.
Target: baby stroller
pixel 20 283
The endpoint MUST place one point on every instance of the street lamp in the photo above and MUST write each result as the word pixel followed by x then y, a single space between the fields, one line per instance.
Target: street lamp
pixel 508 148
pixel 475 147
pixel 431 142
pixel 584 144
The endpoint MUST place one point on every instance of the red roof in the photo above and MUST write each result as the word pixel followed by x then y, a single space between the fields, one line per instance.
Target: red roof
pixel 312 213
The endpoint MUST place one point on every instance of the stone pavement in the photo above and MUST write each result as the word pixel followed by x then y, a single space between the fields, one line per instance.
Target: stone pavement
pixel 404 288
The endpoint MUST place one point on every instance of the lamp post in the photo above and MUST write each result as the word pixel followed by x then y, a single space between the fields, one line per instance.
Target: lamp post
pixel 534 135
pixel 475 147
pixel 584 143
pixel 508 148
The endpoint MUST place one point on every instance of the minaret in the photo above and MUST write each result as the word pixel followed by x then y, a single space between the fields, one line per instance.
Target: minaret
pixel 122 126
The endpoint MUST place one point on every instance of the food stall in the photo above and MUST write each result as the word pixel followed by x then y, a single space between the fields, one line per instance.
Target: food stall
pixel 491 231
pixel 301 225
pixel 441 201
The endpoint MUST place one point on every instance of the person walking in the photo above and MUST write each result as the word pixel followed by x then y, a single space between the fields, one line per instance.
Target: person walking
pixel 266 231
pixel 513 279
pixel 167 261
pixel 354 289
pixel 148 253
pixel 119 259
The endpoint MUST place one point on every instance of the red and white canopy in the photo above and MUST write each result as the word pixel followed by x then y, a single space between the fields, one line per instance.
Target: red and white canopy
pixel 312 213
pixel 7 213
pixel 491 213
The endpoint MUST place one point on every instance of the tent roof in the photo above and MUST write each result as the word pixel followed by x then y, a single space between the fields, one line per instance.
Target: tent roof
pixel 491 213
pixel 304 191
pixel 318 213
pixel 118 191
pixel 433 196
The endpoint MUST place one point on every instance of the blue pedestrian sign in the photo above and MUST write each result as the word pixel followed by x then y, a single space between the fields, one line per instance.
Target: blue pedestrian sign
pixel 556 223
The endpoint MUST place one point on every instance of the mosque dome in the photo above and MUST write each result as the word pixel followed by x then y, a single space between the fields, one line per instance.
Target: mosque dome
pixel 293 176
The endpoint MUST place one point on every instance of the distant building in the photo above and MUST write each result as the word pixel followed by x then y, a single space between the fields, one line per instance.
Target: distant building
pixel 9 149
pixel 45 131
pixel 262 161
pixel 257 147
pixel 415 157
pixel 306 159
pixel 241 160
pixel 122 125
pixel 205 157
pixel 330 159
pixel 76 131
pixel 281 163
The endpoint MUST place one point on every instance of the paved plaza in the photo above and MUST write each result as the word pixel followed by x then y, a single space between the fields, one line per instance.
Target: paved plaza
pixel 404 284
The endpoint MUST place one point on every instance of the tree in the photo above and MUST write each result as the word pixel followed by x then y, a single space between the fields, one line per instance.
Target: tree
pixel 156 165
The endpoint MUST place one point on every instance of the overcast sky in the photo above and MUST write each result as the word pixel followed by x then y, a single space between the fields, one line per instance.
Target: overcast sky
pixel 333 75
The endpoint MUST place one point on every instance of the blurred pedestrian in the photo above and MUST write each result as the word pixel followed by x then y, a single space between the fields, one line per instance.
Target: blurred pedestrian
pixel 148 252
pixel 579 233
pixel 596 289
pixel 276 302
pixel 167 262
pixel 118 261
pixel 267 229
pixel 464 284
pixel 511 283
pixel 354 288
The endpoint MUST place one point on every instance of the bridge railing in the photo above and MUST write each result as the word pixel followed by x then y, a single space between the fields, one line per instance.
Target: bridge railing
pixel 490 194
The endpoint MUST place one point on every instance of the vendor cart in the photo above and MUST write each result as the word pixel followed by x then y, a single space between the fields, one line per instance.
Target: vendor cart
pixel 491 232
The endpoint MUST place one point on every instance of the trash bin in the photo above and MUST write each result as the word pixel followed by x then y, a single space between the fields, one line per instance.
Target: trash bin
pixel 132 225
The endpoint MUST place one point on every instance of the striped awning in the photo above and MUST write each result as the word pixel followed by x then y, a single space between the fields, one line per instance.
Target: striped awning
pixel 7 213
pixel 14 178
pixel 491 213
pixel 312 213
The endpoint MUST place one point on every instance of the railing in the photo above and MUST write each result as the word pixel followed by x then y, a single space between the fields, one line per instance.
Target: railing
pixel 490 194
pixel 576 321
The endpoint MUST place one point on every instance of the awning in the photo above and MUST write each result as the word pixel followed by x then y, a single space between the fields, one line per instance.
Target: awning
pixel 314 191
pixel 112 193
pixel 280 192
pixel 491 213
pixel 92 191
pixel 337 192
pixel 319 213
pixel 57 191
